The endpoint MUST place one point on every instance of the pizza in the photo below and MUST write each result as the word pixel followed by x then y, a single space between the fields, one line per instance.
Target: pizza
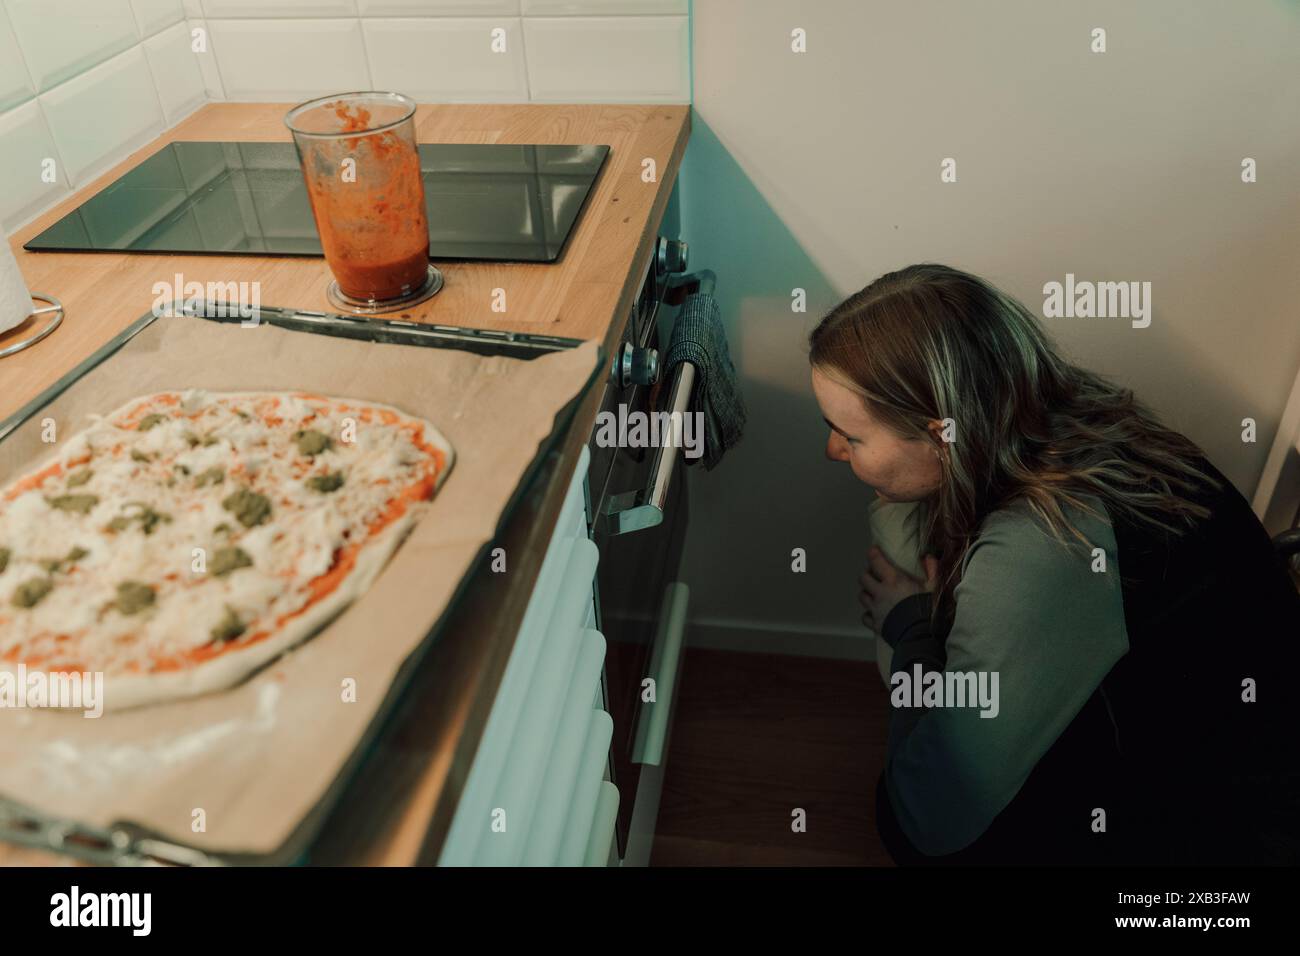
pixel 180 543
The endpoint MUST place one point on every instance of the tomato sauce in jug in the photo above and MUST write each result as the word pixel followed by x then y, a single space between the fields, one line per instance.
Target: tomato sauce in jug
pixel 370 214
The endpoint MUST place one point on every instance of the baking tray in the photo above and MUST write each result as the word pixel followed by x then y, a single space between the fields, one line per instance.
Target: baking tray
pixel 123 842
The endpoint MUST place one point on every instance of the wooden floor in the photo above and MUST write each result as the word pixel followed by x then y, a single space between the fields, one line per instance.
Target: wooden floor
pixel 757 736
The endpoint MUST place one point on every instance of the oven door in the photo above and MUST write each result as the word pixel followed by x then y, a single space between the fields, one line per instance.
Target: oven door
pixel 642 615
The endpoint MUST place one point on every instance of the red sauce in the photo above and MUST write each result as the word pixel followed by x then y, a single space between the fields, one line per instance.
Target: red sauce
pixel 374 231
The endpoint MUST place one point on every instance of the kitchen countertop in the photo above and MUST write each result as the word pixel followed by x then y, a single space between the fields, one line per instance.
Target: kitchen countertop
pixel 398 809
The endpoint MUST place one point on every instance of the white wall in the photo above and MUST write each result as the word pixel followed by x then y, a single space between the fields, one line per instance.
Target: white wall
pixel 821 170
pixel 441 50
pixel 85 82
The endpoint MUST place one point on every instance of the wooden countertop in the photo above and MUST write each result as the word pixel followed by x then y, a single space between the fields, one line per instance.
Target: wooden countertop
pixel 576 297
pixel 400 805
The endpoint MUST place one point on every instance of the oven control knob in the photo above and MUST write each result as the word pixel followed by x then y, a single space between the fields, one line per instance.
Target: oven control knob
pixel 672 256
pixel 638 366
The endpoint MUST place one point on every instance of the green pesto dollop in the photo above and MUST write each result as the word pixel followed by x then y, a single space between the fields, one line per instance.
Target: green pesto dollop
pixel 312 442
pixel 228 628
pixel 247 506
pixel 78 503
pixel 133 597
pixel 54 565
pixel 212 476
pixel 5 555
pixel 149 421
pixel 225 560
pixel 79 478
pixel 31 593
pixel 143 515
pixel 193 439
pixel 138 455
pixel 326 483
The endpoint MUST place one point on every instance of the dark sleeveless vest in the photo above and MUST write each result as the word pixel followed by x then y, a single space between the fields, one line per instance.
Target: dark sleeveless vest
pixel 1186 770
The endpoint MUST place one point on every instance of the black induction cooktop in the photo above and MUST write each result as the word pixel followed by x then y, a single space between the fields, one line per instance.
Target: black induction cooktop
pixel 485 201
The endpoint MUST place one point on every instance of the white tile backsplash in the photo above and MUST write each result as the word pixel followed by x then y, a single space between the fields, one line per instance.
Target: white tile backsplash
pixel 448 60
pixel 238 9
pixel 603 8
pixel 27 146
pixel 86 81
pixel 103 114
pixel 60 40
pixel 289 59
pixel 176 72
pixel 438 8
pixel 608 59
pixel 15 83
pixel 154 16
pixel 207 58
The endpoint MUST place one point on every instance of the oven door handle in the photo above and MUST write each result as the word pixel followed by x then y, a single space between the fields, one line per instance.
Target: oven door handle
pixel 644 508
pixel 652 723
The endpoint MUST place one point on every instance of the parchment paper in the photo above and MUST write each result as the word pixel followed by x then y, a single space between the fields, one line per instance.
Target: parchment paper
pixel 255 759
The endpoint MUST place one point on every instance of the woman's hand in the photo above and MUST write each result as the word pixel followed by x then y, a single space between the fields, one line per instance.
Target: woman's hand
pixel 884 585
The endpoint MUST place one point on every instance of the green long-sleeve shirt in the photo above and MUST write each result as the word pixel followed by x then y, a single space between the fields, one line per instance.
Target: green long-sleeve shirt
pixel 1043 617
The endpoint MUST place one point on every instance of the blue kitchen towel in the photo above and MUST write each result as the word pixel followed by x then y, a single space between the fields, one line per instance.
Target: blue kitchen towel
pixel 699 338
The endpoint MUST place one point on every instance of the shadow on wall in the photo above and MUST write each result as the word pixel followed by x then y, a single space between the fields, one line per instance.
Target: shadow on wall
pixel 775 491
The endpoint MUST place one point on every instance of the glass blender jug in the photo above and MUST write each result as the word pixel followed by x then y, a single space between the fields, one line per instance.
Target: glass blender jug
pixel 362 170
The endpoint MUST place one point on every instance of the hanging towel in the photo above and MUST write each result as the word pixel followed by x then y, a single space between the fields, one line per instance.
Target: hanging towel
pixel 699 338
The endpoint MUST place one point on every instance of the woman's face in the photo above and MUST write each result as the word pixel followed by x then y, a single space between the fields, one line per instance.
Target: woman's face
pixel 899 469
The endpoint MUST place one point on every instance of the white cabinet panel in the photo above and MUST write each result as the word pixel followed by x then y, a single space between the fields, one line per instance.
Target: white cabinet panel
pixel 600 849
pixel 534 736
pixel 591 774
pixel 556 793
pixel 536 760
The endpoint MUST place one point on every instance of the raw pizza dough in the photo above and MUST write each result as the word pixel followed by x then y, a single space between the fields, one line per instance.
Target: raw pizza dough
pixel 189 538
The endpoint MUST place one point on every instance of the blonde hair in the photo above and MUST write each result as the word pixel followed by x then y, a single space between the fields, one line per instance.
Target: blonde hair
pixel 929 342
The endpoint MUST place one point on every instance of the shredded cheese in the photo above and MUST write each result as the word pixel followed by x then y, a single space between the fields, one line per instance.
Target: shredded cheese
pixel 161 515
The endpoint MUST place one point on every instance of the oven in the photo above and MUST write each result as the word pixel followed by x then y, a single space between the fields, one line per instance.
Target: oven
pixel 638 512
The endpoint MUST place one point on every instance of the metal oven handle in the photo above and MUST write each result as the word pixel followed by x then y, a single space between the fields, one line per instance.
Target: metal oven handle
pixel 652 724
pixel 644 508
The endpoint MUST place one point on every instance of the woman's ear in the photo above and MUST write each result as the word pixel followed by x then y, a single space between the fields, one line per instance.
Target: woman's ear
pixel 935 429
